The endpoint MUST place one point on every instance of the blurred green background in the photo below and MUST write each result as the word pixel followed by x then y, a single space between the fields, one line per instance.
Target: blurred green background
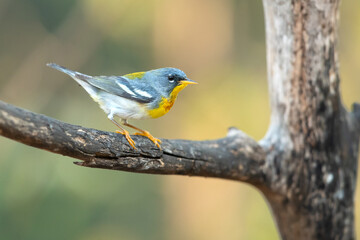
pixel 220 44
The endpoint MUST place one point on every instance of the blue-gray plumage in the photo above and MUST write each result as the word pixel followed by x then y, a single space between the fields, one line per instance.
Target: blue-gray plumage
pixel 133 96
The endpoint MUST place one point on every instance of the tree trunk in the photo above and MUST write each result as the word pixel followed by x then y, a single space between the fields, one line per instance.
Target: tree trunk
pixel 306 164
pixel 312 142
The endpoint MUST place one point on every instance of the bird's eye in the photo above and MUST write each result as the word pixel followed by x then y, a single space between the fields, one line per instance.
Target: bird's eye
pixel 171 77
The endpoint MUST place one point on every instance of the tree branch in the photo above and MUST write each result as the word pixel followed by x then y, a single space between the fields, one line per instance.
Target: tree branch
pixel 236 157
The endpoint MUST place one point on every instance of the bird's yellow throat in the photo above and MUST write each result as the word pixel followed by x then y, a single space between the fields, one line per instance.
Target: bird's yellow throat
pixel 166 103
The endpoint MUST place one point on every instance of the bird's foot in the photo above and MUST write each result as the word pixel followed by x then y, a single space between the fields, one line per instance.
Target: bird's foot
pixel 127 136
pixel 156 141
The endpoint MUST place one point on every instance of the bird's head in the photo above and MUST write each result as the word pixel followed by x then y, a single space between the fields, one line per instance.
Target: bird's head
pixel 170 80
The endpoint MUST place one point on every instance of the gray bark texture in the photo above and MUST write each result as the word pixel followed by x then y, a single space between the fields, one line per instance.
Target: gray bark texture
pixel 312 142
pixel 305 166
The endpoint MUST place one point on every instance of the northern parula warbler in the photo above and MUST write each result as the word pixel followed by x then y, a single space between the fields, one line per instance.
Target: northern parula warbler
pixel 137 95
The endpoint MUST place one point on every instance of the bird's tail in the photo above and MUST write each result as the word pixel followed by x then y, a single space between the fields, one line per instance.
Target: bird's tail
pixel 73 74
pixel 81 79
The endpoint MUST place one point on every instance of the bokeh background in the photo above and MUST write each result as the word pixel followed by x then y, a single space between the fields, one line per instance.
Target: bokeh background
pixel 220 44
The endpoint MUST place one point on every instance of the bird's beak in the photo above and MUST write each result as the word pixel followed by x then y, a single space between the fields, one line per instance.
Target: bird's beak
pixel 188 81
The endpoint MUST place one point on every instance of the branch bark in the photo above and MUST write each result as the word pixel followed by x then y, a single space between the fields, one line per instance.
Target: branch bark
pixel 306 165
pixel 235 157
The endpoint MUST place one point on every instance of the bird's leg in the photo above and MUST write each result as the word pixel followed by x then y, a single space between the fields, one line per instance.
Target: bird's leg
pixel 141 132
pixel 124 132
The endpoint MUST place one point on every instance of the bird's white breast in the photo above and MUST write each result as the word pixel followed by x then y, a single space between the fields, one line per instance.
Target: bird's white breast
pixel 122 107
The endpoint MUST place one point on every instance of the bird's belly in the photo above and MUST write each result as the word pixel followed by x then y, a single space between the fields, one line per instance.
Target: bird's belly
pixel 122 107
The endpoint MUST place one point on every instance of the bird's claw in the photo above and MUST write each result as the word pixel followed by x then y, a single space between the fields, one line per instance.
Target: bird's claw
pixel 156 141
pixel 128 138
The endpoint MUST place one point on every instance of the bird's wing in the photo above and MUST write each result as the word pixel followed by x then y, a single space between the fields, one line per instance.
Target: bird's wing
pixel 120 86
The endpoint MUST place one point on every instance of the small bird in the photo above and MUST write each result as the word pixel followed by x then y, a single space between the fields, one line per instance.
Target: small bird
pixel 137 95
